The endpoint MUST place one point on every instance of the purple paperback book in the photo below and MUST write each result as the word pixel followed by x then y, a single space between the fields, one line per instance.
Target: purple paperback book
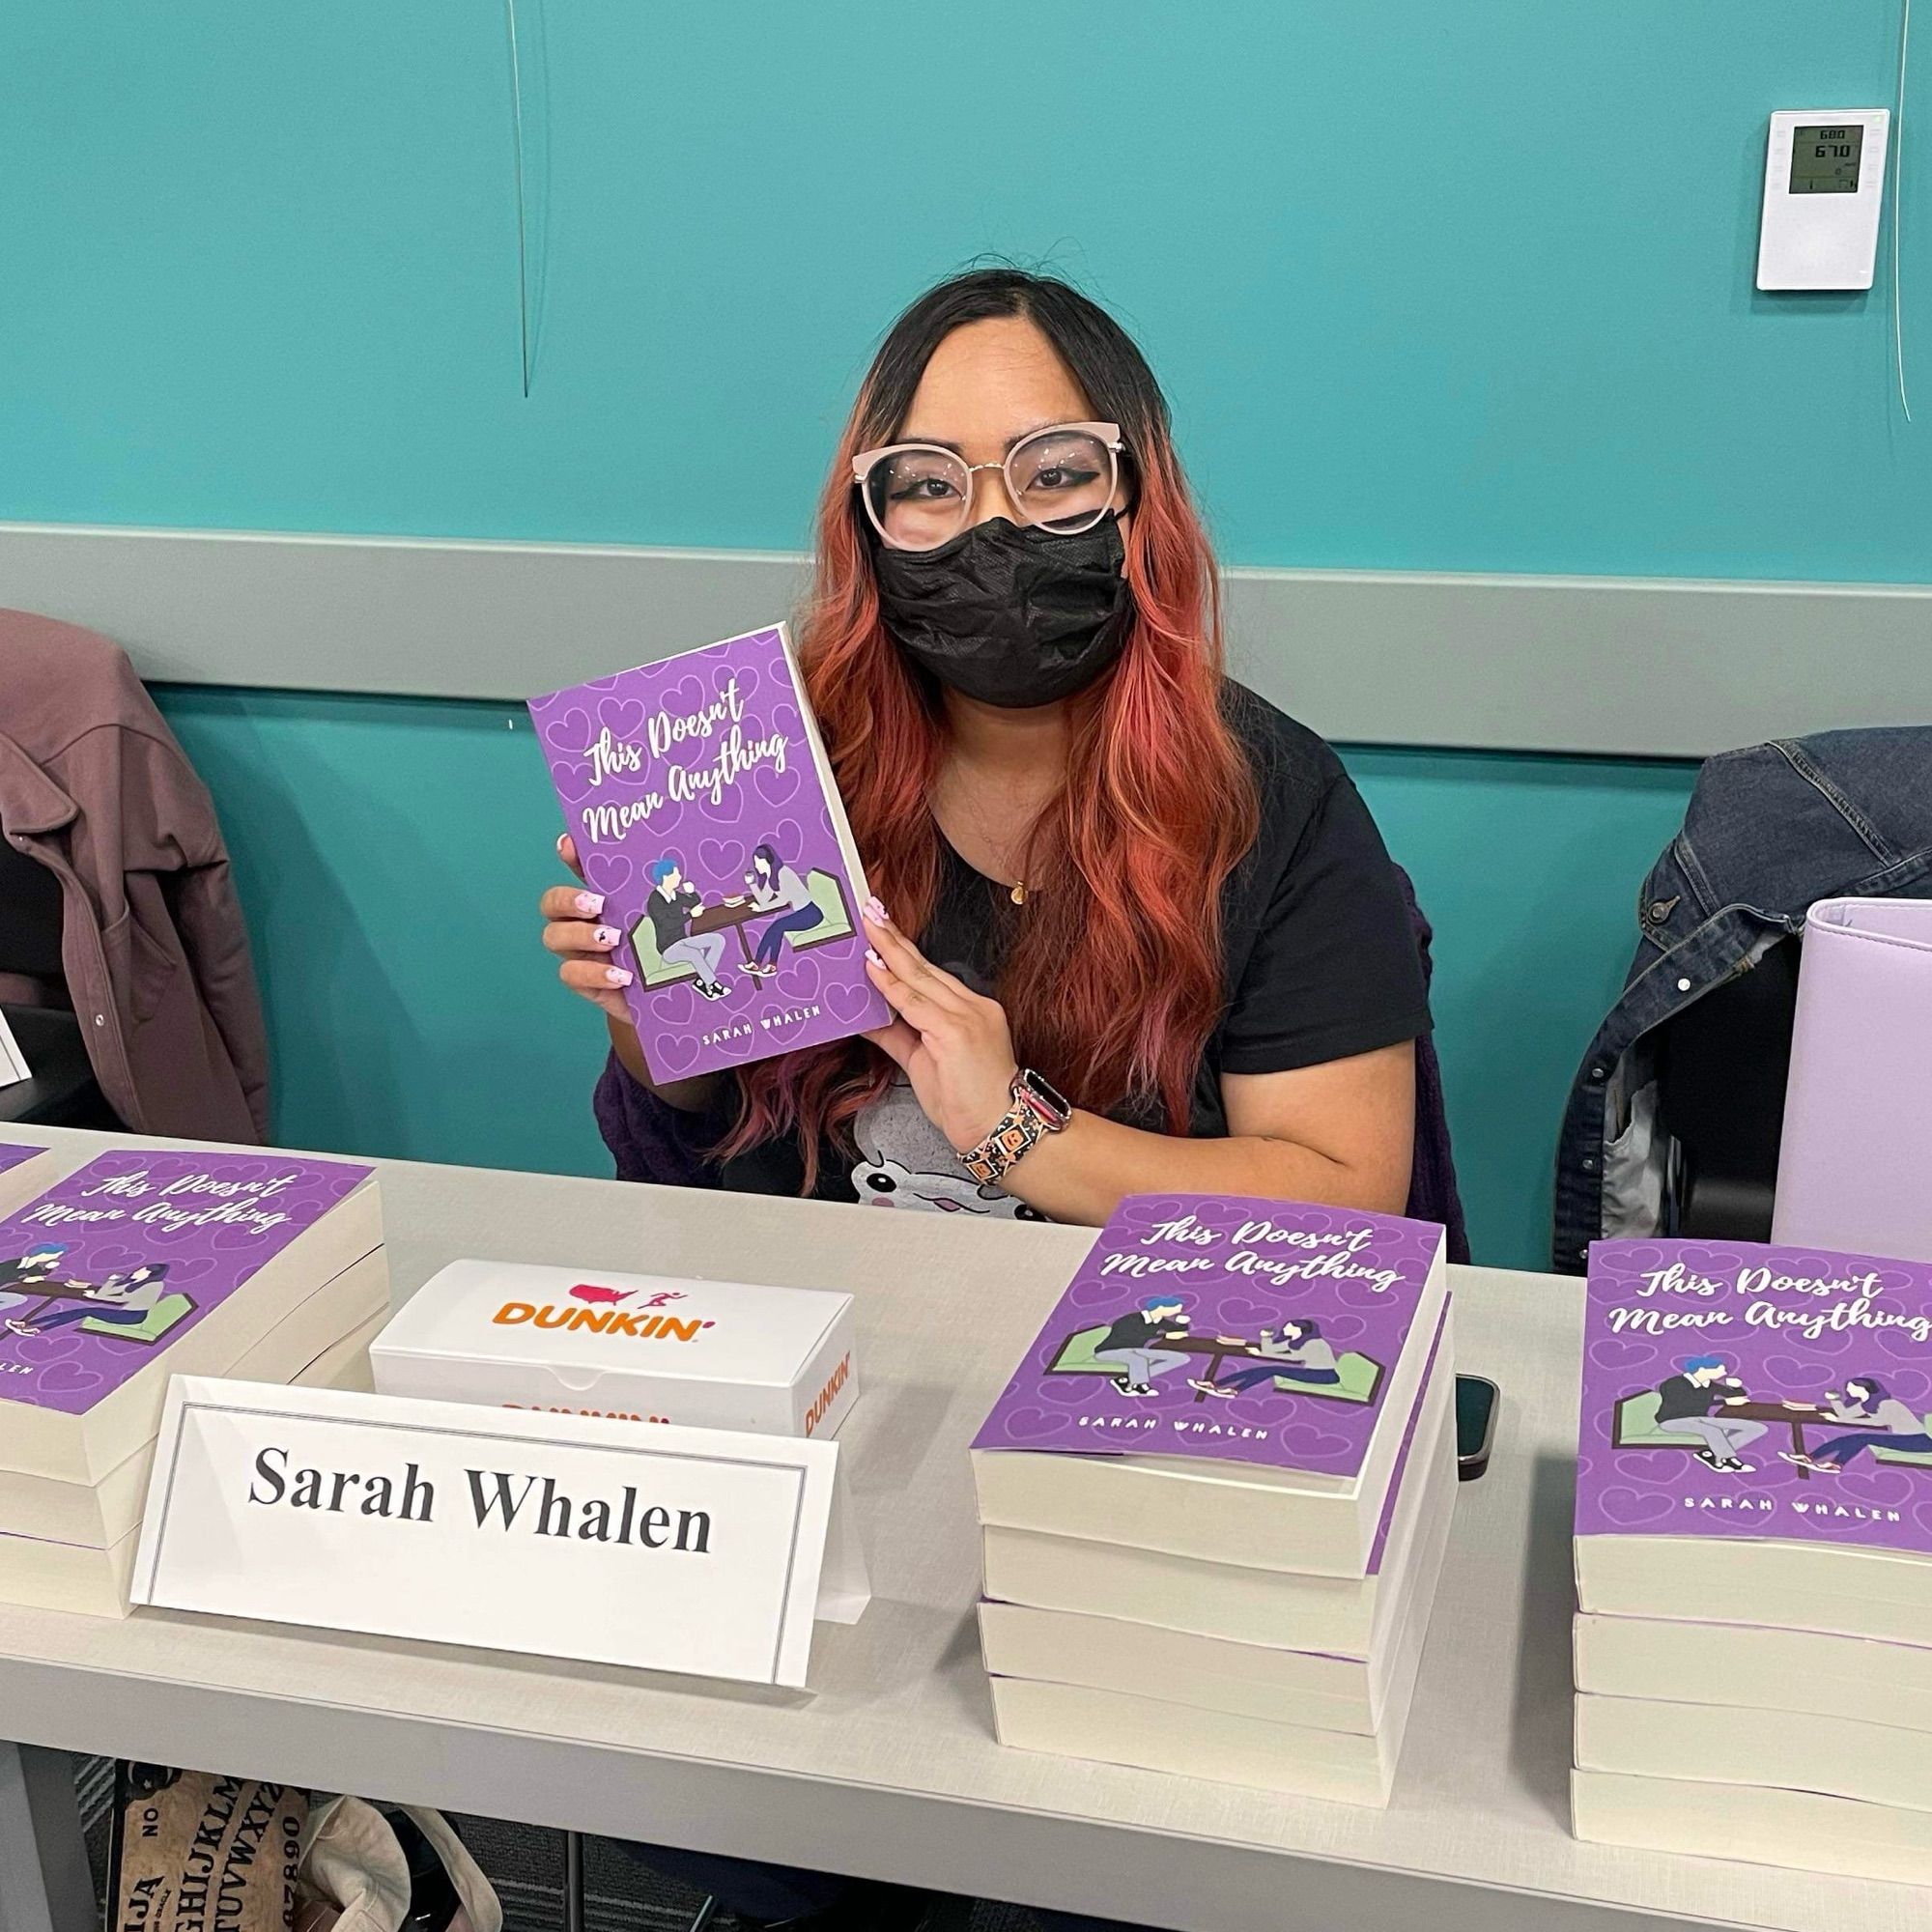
pixel 1736 1390
pixel 1297 1314
pixel 11 1155
pixel 697 791
pixel 103 1271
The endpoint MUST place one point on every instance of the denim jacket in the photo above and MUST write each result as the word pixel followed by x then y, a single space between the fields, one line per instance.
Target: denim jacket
pixel 1768 830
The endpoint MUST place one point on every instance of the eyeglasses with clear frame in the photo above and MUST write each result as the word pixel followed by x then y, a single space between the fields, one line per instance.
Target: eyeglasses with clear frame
pixel 1062 478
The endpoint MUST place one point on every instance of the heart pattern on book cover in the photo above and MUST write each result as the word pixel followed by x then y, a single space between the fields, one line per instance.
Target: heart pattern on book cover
pixel 1301 1312
pixel 103 1271
pixel 1739 1390
pixel 696 796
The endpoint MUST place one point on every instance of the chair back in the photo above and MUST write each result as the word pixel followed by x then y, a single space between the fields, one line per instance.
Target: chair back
pixel 30 917
pixel 1721 1072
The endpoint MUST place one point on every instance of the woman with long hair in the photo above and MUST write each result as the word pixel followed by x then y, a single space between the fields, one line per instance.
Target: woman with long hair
pixel 1299 1354
pixel 1136 925
pixel 776 887
pixel 1887 1424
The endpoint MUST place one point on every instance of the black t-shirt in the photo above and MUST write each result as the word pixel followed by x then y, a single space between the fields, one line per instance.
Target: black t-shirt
pixel 1322 960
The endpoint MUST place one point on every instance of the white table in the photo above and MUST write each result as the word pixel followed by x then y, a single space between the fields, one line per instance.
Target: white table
pixel 889 1767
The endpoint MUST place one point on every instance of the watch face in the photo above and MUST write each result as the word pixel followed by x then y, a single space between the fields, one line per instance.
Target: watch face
pixel 1045 1096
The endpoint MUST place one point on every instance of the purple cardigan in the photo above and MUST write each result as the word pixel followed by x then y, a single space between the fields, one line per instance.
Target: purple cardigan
pixel 651 1140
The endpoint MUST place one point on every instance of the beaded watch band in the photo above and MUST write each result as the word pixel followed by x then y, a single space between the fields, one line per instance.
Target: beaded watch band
pixel 1017 1131
pixel 1038 1109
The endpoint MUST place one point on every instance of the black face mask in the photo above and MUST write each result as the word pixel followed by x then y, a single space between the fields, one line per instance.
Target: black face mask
pixel 1011 616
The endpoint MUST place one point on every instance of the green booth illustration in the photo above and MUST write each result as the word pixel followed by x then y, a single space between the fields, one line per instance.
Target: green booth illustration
pixel 828 894
pixel 1916 1459
pixel 161 1319
pixel 1636 1425
pixel 1358 1376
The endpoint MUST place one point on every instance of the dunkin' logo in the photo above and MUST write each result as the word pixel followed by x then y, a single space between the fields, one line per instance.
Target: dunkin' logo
pixel 604 1315
pixel 823 1400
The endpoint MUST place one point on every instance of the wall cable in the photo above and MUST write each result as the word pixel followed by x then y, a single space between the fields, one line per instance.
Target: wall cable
pixel 523 251
pixel 1898 206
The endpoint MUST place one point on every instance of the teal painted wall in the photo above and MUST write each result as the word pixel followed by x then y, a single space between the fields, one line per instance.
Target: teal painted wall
pixel 389 854
pixel 1431 286
pixel 1464 287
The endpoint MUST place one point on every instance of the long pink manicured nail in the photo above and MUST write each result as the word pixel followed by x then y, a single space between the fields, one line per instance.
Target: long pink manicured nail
pixel 616 976
pixel 606 935
pixel 873 958
pixel 876 912
pixel 590 904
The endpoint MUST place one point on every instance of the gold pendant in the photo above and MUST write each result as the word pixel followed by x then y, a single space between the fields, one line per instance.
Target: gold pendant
pixel 1018 893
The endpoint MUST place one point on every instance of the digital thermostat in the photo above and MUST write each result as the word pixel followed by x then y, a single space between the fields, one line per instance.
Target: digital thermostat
pixel 1824 180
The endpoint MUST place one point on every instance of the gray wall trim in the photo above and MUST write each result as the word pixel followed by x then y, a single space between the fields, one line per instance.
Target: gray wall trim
pixel 1643 667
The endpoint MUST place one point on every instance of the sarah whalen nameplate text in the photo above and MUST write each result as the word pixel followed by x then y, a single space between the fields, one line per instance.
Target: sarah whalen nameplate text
pixel 668 1549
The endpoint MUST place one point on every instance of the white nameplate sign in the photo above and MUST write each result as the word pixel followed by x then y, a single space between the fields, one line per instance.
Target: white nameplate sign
pixel 668 1549
pixel 14 1067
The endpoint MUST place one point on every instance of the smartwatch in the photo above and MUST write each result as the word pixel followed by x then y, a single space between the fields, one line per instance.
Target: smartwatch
pixel 1038 1108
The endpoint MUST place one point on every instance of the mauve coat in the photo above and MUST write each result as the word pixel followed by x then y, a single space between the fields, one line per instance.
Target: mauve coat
pixel 94 787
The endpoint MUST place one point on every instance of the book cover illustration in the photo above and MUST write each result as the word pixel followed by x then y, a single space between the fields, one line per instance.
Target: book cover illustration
pixel 693 792
pixel 1228 1329
pixel 1733 1389
pixel 11 1155
pixel 102 1272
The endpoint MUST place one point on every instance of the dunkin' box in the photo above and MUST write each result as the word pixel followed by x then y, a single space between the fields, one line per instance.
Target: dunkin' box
pixel 647 1348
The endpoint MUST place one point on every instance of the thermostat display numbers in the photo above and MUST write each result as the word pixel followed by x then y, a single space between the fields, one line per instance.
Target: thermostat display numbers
pixel 1824 160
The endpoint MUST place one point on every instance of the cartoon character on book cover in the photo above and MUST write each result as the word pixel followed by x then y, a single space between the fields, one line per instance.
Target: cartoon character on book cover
pixel 776 888
pixel 1698 1403
pixel 673 903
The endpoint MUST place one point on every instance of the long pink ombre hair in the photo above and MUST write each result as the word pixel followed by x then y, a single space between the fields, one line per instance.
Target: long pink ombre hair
pixel 1113 979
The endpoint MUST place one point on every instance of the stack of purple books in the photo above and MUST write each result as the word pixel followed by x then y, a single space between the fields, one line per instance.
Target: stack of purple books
pixel 1216 1494
pixel 119 1271
pixel 1755 1557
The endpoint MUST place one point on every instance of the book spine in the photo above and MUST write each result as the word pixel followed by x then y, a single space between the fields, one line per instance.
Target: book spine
pixel 835 804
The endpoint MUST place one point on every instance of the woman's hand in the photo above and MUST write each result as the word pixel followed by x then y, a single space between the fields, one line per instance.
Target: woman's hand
pixel 954 1045
pixel 581 942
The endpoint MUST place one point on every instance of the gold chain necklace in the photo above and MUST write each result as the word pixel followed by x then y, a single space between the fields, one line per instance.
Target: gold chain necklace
pixel 1018 890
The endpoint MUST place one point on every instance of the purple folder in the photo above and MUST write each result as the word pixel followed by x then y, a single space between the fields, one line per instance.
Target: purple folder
pixel 1852 1171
